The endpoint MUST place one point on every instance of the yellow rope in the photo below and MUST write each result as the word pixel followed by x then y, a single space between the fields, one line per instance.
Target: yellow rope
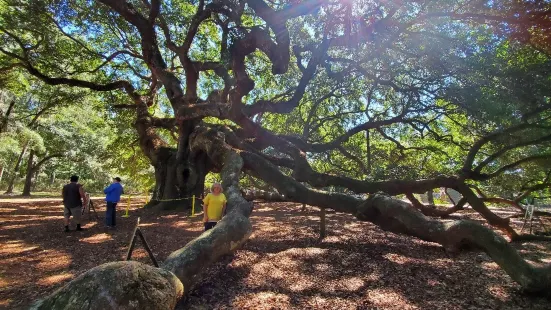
pixel 177 199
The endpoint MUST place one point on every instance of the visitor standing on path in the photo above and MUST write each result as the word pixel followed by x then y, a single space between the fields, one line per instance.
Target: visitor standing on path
pixel 214 206
pixel 113 194
pixel 73 198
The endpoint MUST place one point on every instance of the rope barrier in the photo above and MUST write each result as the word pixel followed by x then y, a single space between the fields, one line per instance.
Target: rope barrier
pixel 163 200
pixel 178 199
pixel 128 205
pixel 185 198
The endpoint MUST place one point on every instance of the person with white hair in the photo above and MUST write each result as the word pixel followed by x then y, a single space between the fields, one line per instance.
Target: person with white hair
pixel 214 206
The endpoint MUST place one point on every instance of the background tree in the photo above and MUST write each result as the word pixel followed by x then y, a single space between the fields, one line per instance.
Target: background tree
pixel 63 131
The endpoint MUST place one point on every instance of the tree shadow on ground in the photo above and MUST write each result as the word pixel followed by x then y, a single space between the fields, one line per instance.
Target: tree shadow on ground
pixel 358 266
pixel 37 256
pixel 283 265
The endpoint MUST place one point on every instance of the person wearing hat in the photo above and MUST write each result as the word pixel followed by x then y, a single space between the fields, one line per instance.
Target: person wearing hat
pixel 113 194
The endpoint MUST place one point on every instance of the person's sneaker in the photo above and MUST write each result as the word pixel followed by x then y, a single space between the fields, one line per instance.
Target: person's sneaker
pixel 80 228
pixel 67 229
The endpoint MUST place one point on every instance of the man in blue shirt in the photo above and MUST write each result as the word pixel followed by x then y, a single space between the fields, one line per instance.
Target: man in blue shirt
pixel 113 194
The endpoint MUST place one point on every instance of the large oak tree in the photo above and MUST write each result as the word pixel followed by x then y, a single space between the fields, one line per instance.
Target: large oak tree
pixel 360 97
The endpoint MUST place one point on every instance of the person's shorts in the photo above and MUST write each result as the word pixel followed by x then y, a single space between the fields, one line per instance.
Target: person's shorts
pixel 76 213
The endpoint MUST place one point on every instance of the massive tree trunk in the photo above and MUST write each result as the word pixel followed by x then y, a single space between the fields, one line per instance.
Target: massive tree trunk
pixel 178 179
pixel 35 179
pixel 179 173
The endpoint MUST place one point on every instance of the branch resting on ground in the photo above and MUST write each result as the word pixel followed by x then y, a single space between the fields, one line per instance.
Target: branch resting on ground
pixel 400 217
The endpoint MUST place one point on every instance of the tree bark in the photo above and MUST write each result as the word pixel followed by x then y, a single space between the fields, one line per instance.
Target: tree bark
pixel 368 151
pixel 16 170
pixel 117 285
pixel 256 194
pixel 4 119
pixel 35 179
pixel 29 176
pixel 1 173
pixel 478 205
pixel 33 169
pixel 400 217
pixel 178 179
pixel 430 197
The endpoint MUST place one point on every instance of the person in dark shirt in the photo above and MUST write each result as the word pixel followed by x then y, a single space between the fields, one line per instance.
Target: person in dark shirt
pixel 73 198
pixel 113 194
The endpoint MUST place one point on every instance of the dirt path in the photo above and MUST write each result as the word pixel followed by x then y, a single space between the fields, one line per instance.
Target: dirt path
pixel 283 265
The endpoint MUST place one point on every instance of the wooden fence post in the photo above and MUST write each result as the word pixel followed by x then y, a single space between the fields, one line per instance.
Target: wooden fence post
pixel 138 233
pixel 132 241
pixel 146 246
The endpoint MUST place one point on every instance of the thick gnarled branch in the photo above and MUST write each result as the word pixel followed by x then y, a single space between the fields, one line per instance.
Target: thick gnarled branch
pixel 400 217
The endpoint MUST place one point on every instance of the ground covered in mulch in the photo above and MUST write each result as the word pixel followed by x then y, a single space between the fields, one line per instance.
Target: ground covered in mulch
pixel 282 266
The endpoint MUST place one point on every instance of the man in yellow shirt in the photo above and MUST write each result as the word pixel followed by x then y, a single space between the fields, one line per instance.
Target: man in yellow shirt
pixel 214 206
